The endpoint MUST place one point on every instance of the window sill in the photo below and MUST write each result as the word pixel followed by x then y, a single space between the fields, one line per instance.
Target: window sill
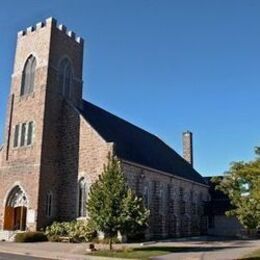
pixel 25 147
pixel 26 96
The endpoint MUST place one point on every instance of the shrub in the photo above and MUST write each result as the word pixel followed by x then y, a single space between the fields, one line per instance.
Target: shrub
pixel 76 231
pixel 30 237
pixel 81 231
pixel 57 229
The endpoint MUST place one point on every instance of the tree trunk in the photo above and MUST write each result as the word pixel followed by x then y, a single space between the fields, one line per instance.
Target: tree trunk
pixel 110 244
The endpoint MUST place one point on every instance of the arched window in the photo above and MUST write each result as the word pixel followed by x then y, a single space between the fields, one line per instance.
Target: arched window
pixel 65 78
pixel 82 198
pixel 17 198
pixel 28 76
pixel 49 204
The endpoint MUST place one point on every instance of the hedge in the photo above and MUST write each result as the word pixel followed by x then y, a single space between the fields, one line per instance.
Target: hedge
pixel 30 237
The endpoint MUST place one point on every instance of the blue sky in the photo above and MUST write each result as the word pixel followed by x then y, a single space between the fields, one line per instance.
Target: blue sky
pixel 165 65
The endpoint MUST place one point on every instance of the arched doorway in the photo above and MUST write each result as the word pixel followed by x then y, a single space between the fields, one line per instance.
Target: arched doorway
pixel 15 210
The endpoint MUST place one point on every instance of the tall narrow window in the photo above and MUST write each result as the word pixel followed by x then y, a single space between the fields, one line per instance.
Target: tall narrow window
pixel 161 199
pixel 146 196
pixel 28 76
pixel 49 201
pixel 23 134
pixel 30 133
pixel 201 204
pixel 182 202
pixel 65 78
pixel 82 198
pixel 16 135
pixel 193 205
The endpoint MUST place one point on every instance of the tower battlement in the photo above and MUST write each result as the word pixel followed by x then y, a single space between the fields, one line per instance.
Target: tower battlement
pixel 48 23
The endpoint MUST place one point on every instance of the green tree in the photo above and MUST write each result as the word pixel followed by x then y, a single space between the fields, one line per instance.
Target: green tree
pixel 134 215
pixel 112 206
pixel 241 183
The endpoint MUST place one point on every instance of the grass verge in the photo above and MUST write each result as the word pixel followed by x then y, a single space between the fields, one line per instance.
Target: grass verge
pixel 255 255
pixel 136 253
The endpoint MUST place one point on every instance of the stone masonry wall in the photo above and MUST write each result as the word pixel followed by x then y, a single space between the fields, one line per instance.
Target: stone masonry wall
pixel 93 152
pixel 170 215
pixel 60 150
pixel 226 226
pixel 21 166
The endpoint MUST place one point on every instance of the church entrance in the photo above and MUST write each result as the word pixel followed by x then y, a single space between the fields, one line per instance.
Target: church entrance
pixel 15 210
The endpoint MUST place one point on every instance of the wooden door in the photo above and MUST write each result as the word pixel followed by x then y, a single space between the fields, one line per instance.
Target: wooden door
pixel 17 218
pixel 23 218
pixel 9 218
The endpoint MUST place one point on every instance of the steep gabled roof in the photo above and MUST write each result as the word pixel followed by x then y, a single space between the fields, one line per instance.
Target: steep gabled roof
pixel 137 145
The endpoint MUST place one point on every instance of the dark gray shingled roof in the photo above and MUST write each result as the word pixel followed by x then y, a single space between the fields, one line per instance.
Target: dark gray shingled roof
pixel 137 145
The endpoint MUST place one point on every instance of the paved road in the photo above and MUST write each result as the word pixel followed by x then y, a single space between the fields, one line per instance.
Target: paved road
pixel 211 250
pixel 4 256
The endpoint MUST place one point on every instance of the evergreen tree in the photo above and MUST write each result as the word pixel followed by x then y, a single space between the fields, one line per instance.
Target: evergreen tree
pixel 111 204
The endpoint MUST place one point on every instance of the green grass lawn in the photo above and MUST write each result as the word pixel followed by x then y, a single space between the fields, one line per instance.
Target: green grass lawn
pixel 145 253
pixel 255 255
pixel 137 253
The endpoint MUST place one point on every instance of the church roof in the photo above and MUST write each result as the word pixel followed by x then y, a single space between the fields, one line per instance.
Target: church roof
pixel 137 145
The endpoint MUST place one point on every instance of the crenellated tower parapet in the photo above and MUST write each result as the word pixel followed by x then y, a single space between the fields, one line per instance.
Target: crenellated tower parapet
pixel 48 23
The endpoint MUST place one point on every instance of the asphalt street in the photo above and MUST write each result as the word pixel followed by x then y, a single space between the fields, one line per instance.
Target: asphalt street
pixel 4 256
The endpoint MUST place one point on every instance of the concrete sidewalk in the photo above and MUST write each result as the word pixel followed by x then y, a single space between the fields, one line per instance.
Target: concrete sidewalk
pixel 49 250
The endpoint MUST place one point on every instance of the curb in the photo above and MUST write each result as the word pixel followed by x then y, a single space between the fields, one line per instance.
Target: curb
pixel 43 254
pixel 57 256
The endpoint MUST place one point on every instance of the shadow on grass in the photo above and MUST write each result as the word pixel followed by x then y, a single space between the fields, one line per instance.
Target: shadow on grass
pixel 250 258
pixel 233 242
pixel 255 255
pixel 207 239
pixel 176 249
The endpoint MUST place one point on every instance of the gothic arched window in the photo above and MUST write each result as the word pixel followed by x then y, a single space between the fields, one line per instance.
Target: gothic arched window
pixel 82 198
pixel 28 76
pixel 65 78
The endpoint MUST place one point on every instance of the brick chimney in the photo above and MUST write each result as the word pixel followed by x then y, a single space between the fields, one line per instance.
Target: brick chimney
pixel 187 147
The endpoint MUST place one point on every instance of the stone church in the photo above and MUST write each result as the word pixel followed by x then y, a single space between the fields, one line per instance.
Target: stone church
pixel 56 144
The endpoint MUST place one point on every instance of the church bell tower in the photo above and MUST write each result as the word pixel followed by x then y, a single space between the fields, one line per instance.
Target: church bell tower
pixel 40 155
